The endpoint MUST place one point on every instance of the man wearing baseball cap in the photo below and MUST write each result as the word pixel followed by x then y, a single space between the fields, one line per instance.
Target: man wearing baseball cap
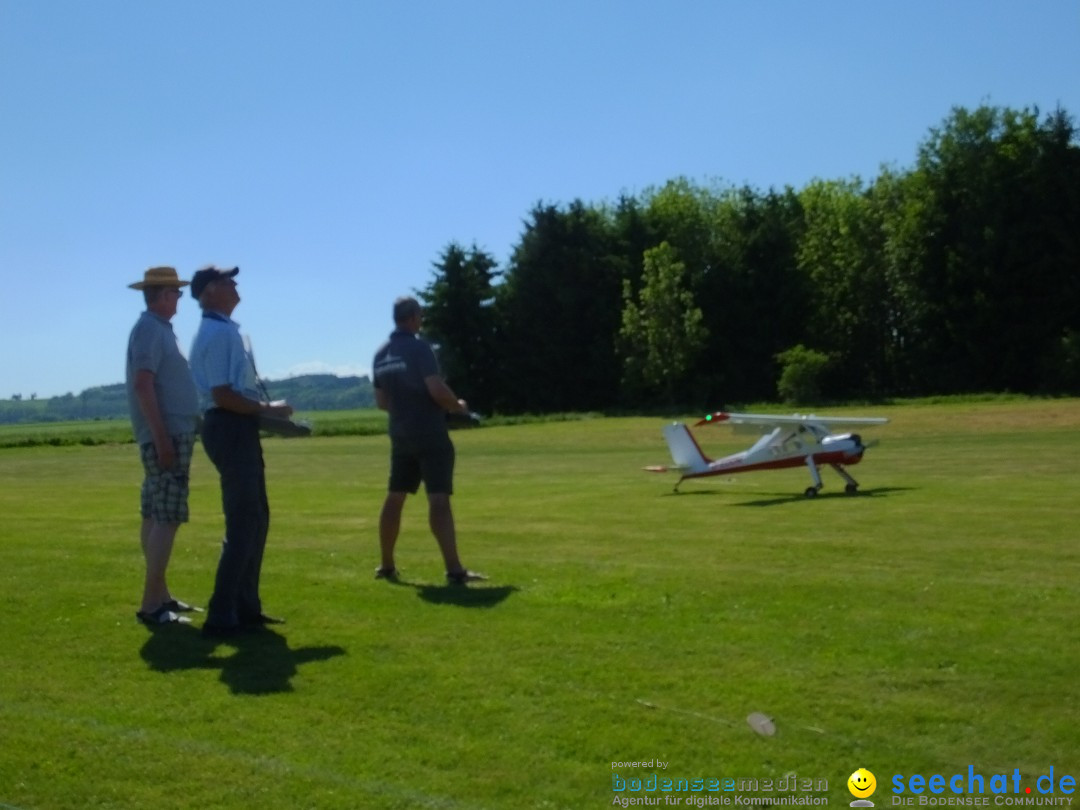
pixel 228 387
pixel 163 406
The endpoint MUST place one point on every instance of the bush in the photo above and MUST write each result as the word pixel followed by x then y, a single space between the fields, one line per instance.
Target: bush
pixel 802 372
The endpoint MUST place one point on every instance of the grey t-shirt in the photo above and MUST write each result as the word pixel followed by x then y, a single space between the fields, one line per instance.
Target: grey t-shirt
pixel 400 366
pixel 152 347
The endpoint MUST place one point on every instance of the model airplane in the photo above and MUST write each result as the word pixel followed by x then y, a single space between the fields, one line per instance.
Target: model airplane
pixel 789 441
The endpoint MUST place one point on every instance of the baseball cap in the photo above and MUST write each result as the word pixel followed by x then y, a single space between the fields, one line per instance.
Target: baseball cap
pixel 209 274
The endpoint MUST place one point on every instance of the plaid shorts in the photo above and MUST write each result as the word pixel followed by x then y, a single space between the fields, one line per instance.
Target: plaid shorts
pixel 165 492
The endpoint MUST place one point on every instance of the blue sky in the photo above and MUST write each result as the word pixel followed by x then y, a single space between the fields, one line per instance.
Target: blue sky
pixel 333 148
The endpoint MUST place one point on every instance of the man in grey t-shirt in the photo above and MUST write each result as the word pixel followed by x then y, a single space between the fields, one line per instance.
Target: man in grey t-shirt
pixel 163 405
pixel 409 386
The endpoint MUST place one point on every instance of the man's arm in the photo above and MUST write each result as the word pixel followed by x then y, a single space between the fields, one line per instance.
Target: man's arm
pixel 148 404
pixel 443 396
pixel 228 399
pixel 382 400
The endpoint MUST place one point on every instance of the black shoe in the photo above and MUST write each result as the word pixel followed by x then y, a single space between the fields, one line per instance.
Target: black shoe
pixel 388 573
pixel 464 576
pixel 262 620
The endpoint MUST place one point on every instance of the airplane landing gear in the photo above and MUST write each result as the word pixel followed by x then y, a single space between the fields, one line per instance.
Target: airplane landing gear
pixel 811 492
pixel 851 487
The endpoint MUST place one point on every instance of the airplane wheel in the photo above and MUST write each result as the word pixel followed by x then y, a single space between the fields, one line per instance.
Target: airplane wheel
pixel 851 489
pixel 811 492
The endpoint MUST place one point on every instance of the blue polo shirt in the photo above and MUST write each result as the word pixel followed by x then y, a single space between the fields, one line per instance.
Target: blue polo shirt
pixel 220 356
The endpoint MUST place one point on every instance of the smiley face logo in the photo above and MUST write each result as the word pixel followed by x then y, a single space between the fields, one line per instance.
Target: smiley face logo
pixel 861 783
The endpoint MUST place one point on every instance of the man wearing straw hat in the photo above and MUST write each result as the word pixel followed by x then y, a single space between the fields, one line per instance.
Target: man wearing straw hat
pixel 163 404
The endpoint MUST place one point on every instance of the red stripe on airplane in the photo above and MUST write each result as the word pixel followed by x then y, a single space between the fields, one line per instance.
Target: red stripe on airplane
pixel 713 418
pixel 836 457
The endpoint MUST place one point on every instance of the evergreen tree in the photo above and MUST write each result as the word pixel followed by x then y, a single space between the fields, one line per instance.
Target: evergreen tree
pixel 459 320
pixel 559 310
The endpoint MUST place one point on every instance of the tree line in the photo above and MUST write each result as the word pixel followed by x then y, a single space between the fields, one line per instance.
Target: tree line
pixel 958 275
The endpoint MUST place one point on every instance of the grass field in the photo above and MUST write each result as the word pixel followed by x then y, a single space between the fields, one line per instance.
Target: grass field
pixel 367 422
pixel 925 625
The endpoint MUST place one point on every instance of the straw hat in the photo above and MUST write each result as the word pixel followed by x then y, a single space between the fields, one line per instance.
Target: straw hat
pixel 159 277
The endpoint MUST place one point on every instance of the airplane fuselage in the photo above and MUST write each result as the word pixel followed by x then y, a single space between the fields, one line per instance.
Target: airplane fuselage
pixel 845 450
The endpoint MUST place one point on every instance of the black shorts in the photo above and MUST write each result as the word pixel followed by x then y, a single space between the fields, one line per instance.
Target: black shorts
pixel 430 459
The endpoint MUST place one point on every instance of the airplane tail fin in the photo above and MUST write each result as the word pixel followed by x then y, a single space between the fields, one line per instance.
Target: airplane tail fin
pixel 685 451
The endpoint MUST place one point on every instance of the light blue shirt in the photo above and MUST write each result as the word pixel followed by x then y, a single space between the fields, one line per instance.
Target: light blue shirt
pixel 219 356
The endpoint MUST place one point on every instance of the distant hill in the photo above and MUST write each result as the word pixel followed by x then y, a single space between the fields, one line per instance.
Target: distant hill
pixel 324 392
pixel 312 392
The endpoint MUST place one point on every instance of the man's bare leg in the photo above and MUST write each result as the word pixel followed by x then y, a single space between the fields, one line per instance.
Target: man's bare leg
pixel 441 520
pixel 157 545
pixel 389 527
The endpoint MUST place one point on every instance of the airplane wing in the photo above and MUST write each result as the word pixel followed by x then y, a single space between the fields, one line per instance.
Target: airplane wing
pixel 763 423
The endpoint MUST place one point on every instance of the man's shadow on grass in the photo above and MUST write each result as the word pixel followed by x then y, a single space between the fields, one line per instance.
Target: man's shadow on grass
pixel 469 596
pixel 262 664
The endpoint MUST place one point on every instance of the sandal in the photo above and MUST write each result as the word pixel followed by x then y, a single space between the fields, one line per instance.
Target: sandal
pixel 161 616
pixel 176 606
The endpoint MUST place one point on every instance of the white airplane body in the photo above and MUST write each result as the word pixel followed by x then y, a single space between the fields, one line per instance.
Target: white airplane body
pixel 789 441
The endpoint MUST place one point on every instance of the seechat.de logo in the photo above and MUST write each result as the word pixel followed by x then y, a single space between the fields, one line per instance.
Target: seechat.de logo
pixel 977 789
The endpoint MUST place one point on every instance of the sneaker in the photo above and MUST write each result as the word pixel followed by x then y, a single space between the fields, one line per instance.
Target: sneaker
pixel 389 573
pixel 464 576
